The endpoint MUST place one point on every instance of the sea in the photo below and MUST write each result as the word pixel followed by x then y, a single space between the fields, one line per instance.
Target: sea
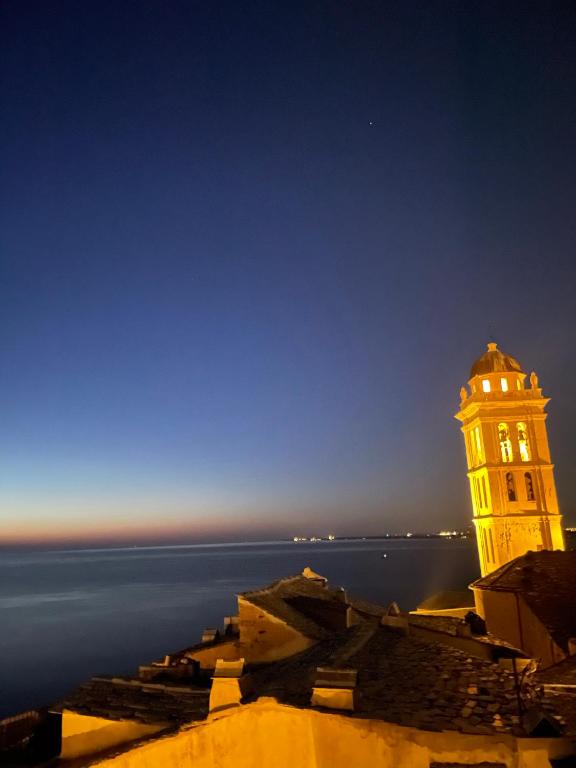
pixel 68 615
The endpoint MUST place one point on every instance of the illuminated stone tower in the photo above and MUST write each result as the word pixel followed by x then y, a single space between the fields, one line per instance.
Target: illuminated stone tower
pixel 509 468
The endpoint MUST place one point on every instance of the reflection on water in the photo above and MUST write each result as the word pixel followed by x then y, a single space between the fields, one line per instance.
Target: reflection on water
pixel 67 615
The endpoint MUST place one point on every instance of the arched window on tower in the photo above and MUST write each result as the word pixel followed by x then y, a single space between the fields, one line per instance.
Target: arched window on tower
pixel 529 487
pixel 523 441
pixel 505 443
pixel 510 488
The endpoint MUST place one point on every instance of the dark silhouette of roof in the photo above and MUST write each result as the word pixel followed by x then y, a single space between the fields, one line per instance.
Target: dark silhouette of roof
pixel 545 580
pixel 117 698
pixel 275 599
pixel 494 361
pixel 309 605
pixel 563 673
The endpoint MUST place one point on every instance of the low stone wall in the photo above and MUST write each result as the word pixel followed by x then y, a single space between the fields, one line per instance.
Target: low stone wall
pixel 266 733
pixel 15 729
pixel 83 735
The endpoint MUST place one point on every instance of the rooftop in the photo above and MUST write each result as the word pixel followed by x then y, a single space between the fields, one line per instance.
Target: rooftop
pixel 119 698
pixel 455 627
pixel 395 676
pixel 546 582
pixel 403 680
pixel 298 601
pixel 561 674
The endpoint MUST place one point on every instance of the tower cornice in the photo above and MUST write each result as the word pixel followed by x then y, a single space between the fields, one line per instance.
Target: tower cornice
pixel 500 404
pixel 516 465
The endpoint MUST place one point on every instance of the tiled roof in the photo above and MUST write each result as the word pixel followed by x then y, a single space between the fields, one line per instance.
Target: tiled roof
pixel 545 580
pixel 448 625
pixel 403 680
pixel 298 600
pixel 564 705
pixel 280 598
pixel 452 626
pixel 367 608
pixel 563 673
pixel 117 698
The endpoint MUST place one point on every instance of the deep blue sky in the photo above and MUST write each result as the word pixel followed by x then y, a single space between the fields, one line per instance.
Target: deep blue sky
pixel 250 249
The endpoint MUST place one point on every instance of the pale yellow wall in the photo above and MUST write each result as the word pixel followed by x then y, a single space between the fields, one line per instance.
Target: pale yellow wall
pixel 268 735
pixel 538 643
pixel 262 637
pixel 207 657
pixel 508 617
pixel 501 613
pixel 84 735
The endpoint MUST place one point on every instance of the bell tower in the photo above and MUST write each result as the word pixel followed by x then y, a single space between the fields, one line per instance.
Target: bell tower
pixel 511 475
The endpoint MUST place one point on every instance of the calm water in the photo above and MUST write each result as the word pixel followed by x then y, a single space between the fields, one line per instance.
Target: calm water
pixel 67 615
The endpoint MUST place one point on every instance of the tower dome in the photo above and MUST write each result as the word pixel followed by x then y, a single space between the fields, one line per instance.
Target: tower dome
pixel 494 361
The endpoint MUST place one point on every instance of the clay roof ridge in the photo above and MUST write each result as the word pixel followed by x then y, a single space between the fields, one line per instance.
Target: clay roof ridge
pixel 359 637
pixel 273 587
pixel 492 579
pixel 366 606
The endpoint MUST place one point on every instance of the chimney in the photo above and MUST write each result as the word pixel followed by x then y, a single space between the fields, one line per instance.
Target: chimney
pixel 210 636
pixel 229 684
pixel 231 626
pixel 308 573
pixel 334 688
pixel 395 619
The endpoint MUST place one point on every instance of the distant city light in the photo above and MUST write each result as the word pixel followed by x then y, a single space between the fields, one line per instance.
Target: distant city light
pixel 330 537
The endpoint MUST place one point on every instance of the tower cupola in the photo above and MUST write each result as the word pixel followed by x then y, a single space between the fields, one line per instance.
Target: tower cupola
pixel 495 372
pixel 494 361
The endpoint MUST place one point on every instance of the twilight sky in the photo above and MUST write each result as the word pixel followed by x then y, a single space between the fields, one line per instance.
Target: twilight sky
pixel 249 250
